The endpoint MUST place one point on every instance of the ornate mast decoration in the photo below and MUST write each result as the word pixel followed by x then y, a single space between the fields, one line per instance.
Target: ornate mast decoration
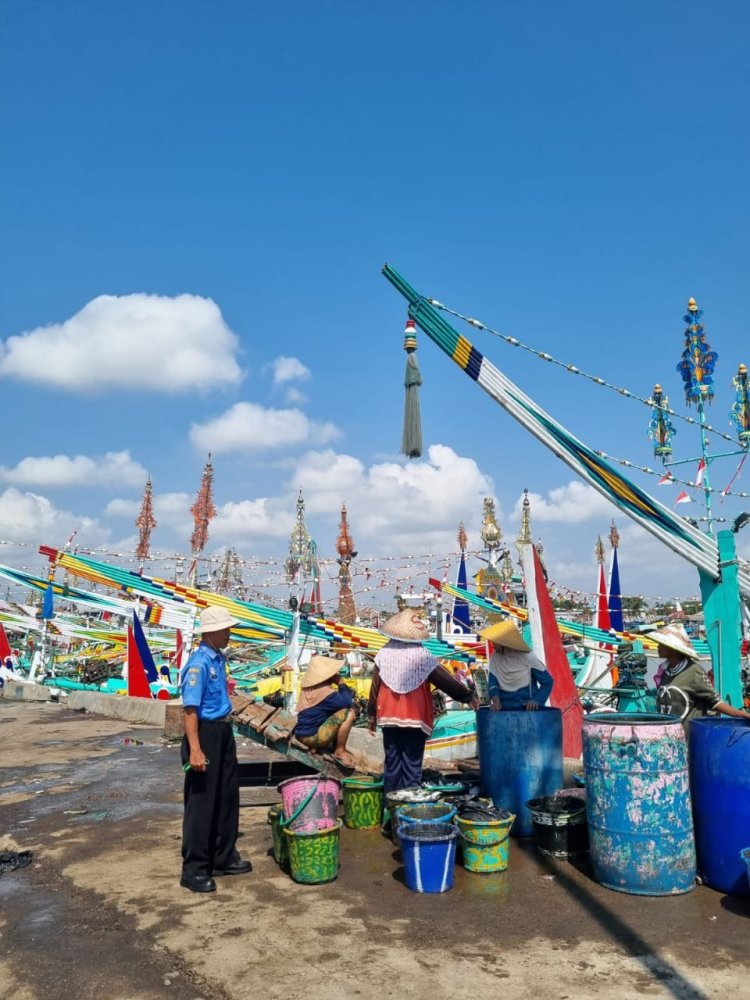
pixel 203 511
pixel 229 579
pixel 489 581
pixel 660 429
pixel 740 413
pixel 347 613
pixel 697 367
pixel 302 561
pixel 145 523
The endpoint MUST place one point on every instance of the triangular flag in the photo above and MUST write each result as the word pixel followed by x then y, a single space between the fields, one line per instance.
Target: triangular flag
pixel 144 652
pixel 137 680
pixel 601 617
pixel 48 607
pixel 700 472
pixel 460 604
pixel 547 644
pixel 614 601
pixel 665 480
pixel 5 650
pixel 682 498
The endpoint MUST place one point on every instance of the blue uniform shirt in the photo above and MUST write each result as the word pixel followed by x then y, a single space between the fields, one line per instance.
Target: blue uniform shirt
pixel 203 683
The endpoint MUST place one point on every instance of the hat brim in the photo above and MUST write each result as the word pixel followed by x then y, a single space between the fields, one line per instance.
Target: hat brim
pixel 311 682
pixel 506 638
pixel 399 638
pixel 230 623
pixel 675 644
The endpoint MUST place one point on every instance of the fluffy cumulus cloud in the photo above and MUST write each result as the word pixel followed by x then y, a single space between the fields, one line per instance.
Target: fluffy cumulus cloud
pixel 116 468
pixel 245 520
pixel 129 342
pixel 30 517
pixel 398 507
pixel 572 504
pixel 249 427
pixel 171 510
pixel 289 370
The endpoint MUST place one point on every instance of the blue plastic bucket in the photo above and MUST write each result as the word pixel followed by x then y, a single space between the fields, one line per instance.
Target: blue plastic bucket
pixel 425 812
pixel 429 853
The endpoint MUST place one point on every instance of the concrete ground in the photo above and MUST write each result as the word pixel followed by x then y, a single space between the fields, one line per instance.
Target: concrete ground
pixel 99 912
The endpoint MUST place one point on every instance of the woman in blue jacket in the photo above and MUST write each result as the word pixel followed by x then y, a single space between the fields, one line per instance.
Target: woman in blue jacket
pixel 518 680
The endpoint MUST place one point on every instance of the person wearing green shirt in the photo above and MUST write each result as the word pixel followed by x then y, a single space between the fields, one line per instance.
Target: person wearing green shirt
pixel 683 689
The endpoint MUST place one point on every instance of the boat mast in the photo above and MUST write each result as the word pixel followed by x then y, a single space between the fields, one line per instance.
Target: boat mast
pixel 145 523
pixel 347 612
pixel 203 511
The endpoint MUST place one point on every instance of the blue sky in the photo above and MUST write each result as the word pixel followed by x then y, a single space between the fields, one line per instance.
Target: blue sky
pixel 570 174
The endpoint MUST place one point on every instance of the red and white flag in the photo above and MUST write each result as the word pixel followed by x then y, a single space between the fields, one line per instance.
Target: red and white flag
pixel 682 498
pixel 666 479
pixel 700 472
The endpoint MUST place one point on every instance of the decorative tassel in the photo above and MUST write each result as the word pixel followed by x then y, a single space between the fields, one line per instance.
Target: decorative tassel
pixel 411 442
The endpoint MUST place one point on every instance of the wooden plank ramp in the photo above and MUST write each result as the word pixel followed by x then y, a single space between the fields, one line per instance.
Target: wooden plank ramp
pixel 273 728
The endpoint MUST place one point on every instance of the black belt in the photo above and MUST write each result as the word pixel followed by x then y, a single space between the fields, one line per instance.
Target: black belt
pixel 224 719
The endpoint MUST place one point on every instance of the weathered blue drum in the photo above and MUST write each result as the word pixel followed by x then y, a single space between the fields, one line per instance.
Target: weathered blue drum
pixel 638 803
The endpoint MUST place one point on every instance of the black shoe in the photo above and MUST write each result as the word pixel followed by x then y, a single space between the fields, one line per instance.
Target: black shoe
pixel 237 867
pixel 198 883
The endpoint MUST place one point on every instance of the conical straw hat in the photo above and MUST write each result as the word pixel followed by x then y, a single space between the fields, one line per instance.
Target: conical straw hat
pixel 320 669
pixel 506 634
pixel 675 637
pixel 409 625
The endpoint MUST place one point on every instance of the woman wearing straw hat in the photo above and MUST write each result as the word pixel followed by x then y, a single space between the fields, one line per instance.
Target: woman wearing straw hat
pixel 400 697
pixel 325 710
pixel 518 679
pixel 683 689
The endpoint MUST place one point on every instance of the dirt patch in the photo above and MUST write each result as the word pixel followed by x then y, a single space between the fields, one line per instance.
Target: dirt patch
pixel 108 877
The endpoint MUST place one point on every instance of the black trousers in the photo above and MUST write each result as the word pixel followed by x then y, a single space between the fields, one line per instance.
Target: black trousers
pixel 212 802
pixel 404 750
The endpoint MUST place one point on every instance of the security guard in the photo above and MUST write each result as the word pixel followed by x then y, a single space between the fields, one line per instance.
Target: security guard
pixel 209 755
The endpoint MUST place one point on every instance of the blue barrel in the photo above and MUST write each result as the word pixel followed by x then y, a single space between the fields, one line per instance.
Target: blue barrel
pixel 638 803
pixel 520 757
pixel 720 783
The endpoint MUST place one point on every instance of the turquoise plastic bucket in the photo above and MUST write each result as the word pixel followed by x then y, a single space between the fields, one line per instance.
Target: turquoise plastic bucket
pixel 429 853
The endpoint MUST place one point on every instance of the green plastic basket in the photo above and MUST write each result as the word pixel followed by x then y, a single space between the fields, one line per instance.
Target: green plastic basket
pixel 314 854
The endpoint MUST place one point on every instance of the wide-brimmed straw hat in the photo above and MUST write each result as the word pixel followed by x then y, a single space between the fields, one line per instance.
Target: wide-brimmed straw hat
pixel 408 625
pixel 320 669
pixel 506 634
pixel 675 637
pixel 215 620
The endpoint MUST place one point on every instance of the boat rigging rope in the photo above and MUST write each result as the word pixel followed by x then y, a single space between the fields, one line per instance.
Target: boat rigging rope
pixel 573 370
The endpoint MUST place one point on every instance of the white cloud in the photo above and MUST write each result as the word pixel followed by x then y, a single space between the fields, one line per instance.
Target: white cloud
pixel 289 370
pixel 244 520
pixel 134 341
pixel 574 503
pixel 116 468
pixel 394 506
pixel 30 517
pixel 295 396
pixel 250 427
pixel 171 510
